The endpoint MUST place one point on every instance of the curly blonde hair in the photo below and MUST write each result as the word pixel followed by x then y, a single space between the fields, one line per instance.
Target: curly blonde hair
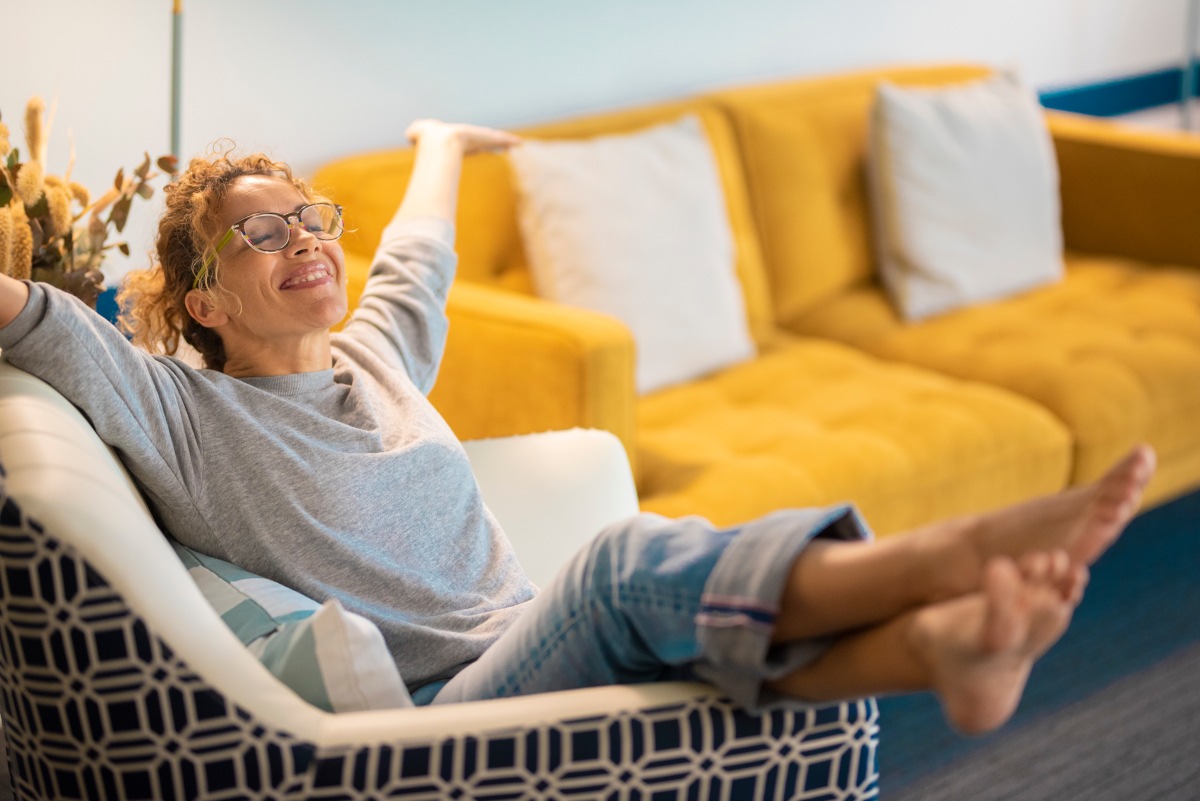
pixel 153 300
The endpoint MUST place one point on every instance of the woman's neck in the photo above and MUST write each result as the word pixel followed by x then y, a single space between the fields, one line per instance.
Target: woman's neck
pixel 279 357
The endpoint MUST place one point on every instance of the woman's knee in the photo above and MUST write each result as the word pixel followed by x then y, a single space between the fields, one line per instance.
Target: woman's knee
pixel 650 553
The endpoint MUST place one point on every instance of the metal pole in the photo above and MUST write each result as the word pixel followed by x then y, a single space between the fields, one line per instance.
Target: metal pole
pixel 1187 89
pixel 176 73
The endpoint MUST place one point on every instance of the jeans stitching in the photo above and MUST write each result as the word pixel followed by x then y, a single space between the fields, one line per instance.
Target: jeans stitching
pixel 627 596
pixel 549 642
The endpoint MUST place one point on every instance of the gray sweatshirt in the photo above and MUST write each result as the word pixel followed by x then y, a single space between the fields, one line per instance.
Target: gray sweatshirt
pixel 344 483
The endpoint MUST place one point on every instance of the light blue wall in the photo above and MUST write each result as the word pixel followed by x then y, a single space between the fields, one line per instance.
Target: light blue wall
pixel 310 80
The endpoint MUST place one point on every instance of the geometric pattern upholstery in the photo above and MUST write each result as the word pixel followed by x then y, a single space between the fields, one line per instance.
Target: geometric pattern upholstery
pixel 96 706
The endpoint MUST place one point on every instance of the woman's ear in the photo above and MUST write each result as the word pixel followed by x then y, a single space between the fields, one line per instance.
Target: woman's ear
pixel 203 310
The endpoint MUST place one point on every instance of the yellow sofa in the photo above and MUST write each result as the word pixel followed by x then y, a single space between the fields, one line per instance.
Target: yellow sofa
pixel 844 401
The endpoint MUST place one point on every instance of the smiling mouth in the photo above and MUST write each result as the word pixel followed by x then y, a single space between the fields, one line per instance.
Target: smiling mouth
pixel 316 274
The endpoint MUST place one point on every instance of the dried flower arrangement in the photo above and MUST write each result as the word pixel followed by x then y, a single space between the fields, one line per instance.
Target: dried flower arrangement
pixel 43 231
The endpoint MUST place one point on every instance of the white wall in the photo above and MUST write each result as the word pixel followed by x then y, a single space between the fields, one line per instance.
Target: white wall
pixel 310 80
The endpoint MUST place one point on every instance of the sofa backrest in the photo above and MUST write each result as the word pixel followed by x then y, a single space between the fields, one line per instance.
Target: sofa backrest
pixel 803 145
pixel 370 186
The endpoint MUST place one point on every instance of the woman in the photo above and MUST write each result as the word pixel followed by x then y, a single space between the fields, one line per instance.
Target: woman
pixel 314 459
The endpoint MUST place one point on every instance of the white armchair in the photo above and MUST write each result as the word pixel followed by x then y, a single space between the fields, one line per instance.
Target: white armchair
pixel 119 681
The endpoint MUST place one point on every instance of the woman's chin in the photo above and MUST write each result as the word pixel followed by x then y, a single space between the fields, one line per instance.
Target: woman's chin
pixel 330 311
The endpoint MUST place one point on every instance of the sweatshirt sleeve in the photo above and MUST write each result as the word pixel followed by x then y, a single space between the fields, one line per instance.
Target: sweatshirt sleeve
pixel 402 314
pixel 136 402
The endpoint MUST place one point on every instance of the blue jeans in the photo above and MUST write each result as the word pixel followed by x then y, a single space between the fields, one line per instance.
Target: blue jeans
pixel 654 599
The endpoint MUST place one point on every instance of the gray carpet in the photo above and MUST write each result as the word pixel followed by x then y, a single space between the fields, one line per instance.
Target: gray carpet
pixel 1137 739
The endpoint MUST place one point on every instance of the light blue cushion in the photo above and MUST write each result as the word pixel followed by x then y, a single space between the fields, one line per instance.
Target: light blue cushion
pixel 334 659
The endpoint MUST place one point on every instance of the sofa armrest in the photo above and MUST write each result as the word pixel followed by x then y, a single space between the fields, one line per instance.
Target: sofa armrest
pixel 1128 192
pixel 515 364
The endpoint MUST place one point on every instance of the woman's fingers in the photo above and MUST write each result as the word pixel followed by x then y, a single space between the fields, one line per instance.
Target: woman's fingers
pixel 481 138
pixel 472 138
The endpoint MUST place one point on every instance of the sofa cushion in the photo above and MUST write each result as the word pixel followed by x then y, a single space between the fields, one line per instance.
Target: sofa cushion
pixel 634 225
pixel 812 422
pixel 964 194
pixel 488 240
pixel 804 145
pixel 334 659
pixel 1113 351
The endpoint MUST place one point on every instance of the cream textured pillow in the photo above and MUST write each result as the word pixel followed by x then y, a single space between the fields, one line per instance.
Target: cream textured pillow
pixel 635 226
pixel 965 194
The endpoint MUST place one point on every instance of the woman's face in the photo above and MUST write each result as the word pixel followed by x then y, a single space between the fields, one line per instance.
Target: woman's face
pixel 299 290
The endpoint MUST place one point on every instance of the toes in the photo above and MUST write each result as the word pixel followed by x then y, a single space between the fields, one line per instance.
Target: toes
pixel 1129 476
pixel 1036 566
pixel 1146 460
pixel 1077 584
pixel 1061 572
pixel 1053 572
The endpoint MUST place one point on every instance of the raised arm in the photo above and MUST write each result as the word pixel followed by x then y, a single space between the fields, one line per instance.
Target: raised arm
pixel 401 316
pixel 13 297
pixel 433 187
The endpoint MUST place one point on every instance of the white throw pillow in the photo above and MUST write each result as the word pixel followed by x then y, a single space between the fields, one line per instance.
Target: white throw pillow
pixel 965 194
pixel 635 226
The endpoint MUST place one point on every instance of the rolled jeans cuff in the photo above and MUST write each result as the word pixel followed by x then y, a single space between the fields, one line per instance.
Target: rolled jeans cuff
pixel 738 609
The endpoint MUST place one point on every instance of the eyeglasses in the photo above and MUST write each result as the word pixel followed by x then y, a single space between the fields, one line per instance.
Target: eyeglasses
pixel 268 232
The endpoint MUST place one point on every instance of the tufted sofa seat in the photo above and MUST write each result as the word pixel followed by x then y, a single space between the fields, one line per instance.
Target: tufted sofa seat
pixel 1113 352
pixel 811 419
pixel 914 422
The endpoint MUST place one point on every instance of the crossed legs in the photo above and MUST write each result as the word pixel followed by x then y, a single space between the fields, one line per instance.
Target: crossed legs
pixel 961 608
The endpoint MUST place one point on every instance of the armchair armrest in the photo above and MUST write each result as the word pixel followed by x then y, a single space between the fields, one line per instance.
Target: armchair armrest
pixel 1128 192
pixel 516 364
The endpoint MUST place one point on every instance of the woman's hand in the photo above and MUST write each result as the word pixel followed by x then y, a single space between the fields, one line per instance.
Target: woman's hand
pixel 13 297
pixel 433 185
pixel 471 138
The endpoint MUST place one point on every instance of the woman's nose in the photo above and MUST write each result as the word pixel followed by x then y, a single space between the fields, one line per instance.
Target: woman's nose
pixel 301 239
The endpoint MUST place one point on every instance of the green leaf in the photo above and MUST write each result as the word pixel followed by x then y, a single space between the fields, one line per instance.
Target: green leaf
pixel 145 190
pixel 144 168
pixel 39 209
pixel 14 158
pixel 119 181
pixel 48 275
pixel 124 248
pixel 5 194
pixel 168 164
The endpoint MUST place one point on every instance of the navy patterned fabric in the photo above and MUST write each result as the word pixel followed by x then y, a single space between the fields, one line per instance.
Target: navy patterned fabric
pixel 96 706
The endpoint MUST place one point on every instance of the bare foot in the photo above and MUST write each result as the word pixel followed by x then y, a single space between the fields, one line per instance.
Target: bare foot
pixel 1083 522
pixel 979 648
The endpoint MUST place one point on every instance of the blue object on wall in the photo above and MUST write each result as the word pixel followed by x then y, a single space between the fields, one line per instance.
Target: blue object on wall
pixel 1120 95
pixel 106 305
